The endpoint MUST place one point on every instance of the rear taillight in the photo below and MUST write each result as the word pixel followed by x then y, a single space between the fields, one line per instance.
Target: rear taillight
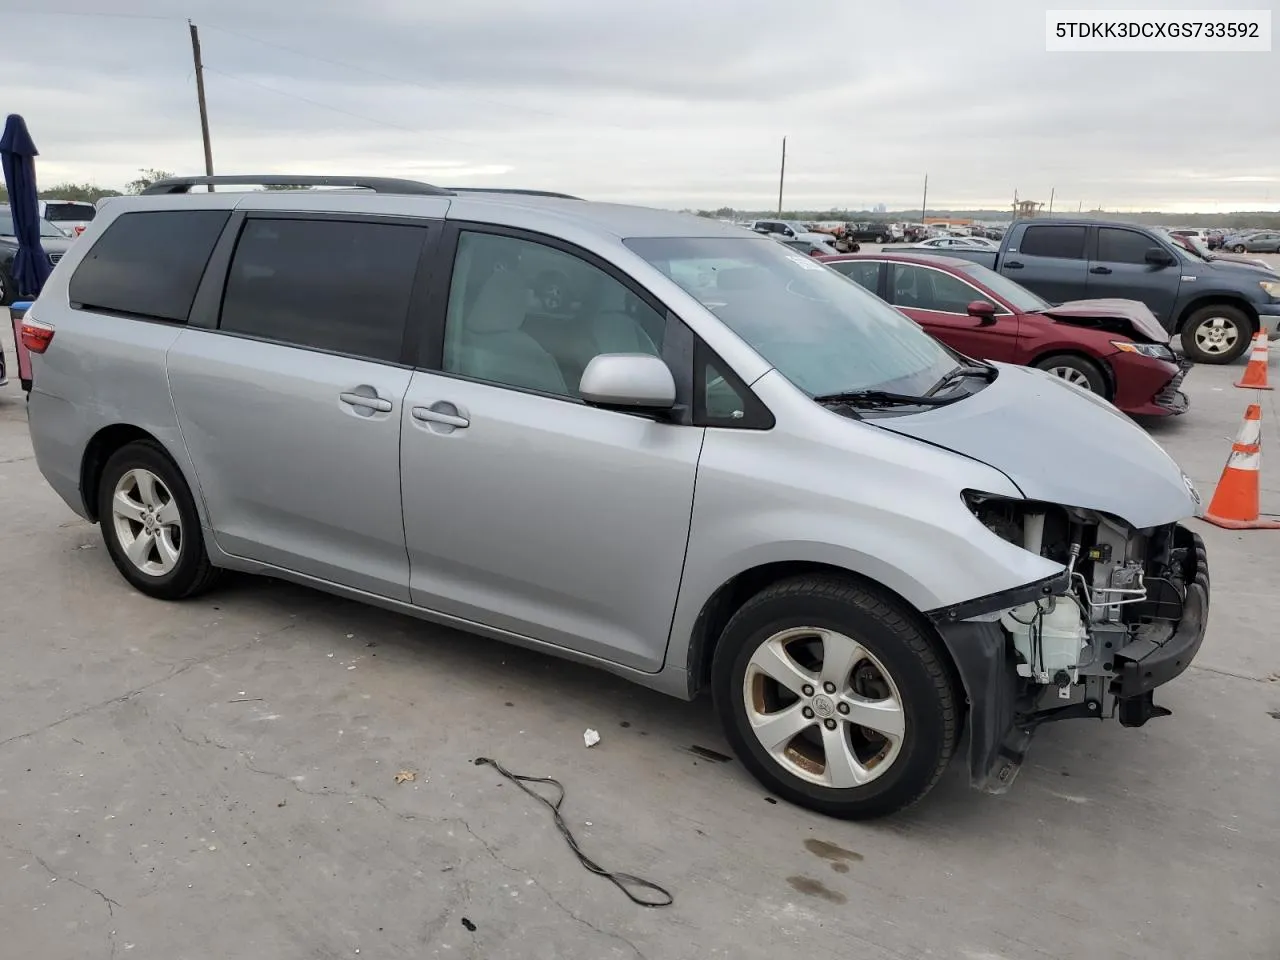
pixel 36 336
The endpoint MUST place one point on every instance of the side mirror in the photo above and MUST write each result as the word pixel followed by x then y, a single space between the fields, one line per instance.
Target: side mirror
pixel 984 310
pixel 628 381
pixel 1159 257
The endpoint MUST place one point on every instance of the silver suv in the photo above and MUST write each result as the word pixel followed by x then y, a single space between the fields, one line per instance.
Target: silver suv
pixel 697 459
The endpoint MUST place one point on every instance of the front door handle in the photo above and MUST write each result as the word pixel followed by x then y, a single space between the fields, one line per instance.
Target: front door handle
pixel 1099 269
pixel 441 412
pixel 1013 264
pixel 367 402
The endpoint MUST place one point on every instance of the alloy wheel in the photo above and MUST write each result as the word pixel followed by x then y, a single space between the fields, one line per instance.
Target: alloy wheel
pixel 1217 335
pixel 824 707
pixel 1073 376
pixel 148 524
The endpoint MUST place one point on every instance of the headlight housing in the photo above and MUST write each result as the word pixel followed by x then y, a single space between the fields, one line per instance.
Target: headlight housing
pixel 1158 351
pixel 1271 287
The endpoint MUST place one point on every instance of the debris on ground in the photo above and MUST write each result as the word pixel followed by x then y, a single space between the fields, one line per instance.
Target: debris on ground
pixel 590 737
pixel 406 776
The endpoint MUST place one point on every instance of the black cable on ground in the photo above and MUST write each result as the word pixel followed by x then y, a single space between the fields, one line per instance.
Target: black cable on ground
pixel 623 881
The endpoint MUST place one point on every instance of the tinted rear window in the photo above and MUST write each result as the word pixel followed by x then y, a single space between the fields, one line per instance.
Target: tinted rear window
pixel 1046 241
pixel 334 285
pixel 148 264
pixel 74 212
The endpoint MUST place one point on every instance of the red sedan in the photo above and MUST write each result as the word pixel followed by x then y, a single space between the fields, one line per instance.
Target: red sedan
pixel 1116 348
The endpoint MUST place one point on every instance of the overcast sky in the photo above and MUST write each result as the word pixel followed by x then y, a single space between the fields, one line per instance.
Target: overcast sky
pixel 670 103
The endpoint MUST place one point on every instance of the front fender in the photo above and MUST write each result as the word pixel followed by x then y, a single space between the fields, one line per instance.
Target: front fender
pixel 888 511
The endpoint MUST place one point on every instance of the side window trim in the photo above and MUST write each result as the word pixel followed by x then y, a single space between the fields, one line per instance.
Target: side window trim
pixel 1001 309
pixel 756 415
pixel 218 272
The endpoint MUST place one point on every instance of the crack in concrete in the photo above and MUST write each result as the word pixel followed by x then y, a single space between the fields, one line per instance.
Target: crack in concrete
pixel 411 818
pixel 130 694
pixel 109 902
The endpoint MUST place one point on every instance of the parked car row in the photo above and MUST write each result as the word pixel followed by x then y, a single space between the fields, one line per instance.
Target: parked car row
pixel 54 241
pixel 1214 306
pixel 1113 348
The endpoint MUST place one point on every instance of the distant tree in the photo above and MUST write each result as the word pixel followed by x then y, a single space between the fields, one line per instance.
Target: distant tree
pixel 724 213
pixel 284 186
pixel 77 191
pixel 147 178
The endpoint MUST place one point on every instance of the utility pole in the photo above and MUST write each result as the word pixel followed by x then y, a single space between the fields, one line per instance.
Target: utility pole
pixel 782 175
pixel 204 110
pixel 924 202
pixel 1052 191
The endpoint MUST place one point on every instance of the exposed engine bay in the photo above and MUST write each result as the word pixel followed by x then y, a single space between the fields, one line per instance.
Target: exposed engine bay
pixel 1131 618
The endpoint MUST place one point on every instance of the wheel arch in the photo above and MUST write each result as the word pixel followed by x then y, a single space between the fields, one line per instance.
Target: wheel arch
pixel 725 601
pixel 1107 373
pixel 99 450
pixel 1220 300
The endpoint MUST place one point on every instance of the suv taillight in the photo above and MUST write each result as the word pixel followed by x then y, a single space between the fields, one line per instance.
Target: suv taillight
pixel 36 336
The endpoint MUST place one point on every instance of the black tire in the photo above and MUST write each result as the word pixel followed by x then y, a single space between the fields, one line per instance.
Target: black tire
pixel 8 290
pixel 192 573
pixel 1097 380
pixel 1240 248
pixel 887 631
pixel 882 240
pixel 1239 325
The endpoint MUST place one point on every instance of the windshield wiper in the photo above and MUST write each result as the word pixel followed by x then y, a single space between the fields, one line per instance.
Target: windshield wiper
pixel 963 372
pixel 881 398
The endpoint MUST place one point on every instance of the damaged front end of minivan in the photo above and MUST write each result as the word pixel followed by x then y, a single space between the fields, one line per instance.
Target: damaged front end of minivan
pixel 1126 614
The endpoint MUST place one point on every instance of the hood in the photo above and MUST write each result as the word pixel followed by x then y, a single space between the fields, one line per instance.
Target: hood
pixel 1238 266
pixel 1253 262
pixel 1134 312
pixel 50 244
pixel 1059 444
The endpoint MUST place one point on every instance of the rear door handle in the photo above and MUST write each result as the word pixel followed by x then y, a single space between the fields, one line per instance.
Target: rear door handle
pixel 432 414
pixel 1013 264
pixel 1099 269
pixel 369 403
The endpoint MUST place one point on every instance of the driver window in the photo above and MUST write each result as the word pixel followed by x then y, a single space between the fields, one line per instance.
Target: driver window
pixel 532 316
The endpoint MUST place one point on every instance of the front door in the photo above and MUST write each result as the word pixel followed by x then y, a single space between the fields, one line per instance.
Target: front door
pixel 1119 268
pixel 939 302
pixel 291 408
pixel 524 508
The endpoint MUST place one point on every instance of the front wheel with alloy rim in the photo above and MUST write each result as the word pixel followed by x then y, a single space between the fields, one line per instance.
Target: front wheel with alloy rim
pixel 150 524
pixel 1076 370
pixel 1217 334
pixel 833 697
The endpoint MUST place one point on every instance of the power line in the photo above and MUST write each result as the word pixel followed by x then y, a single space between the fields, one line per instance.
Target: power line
pixel 330 107
pixel 306 54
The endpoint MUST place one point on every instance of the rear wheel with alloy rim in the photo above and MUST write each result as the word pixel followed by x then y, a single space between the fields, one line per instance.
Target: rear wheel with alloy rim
pixel 834 697
pixel 150 524
pixel 1077 370
pixel 1218 333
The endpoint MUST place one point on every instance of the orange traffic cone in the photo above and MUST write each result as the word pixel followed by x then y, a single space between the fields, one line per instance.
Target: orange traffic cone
pixel 1255 374
pixel 1235 501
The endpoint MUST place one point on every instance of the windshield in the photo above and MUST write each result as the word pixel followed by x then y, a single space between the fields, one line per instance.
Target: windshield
pixel 1189 248
pixel 69 212
pixel 47 229
pixel 1018 297
pixel 823 332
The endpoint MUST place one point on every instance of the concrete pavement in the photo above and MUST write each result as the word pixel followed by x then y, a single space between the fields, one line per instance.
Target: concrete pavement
pixel 218 779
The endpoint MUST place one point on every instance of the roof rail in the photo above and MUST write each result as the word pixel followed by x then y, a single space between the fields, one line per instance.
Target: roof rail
pixel 172 185
pixel 513 190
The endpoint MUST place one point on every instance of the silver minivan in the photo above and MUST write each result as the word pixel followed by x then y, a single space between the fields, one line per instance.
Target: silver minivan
pixel 698 459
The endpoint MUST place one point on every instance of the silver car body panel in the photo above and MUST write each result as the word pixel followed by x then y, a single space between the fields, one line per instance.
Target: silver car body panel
pixel 1061 445
pixel 598 535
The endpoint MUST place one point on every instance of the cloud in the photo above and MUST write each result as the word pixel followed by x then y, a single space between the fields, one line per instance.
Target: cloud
pixel 667 103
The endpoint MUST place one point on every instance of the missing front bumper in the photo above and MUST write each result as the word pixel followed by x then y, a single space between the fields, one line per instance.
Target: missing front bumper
pixel 1000 726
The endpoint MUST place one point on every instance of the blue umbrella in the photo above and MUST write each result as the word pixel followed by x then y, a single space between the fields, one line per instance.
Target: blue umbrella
pixel 31 266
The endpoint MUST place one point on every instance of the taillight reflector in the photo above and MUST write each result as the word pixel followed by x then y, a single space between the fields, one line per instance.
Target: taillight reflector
pixel 36 337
